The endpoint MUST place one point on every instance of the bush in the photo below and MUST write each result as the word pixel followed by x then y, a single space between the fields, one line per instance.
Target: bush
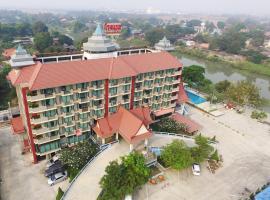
pixel 215 156
pixel 258 115
pixel 72 173
pixel 59 194
pixel 169 125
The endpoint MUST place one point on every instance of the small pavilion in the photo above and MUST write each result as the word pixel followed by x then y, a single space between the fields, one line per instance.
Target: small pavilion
pixel 164 45
pixel 131 125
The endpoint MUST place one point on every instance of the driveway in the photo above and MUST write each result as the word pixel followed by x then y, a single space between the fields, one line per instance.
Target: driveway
pixel 20 178
pixel 245 147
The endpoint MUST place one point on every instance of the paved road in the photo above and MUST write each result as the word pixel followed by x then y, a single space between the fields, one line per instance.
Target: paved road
pixel 21 179
pixel 245 146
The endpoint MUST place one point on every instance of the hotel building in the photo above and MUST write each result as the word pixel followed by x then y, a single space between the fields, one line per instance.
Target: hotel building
pixel 65 102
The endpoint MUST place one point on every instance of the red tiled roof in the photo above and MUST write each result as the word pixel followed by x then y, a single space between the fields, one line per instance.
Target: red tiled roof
pixel 182 95
pixel 143 113
pixel 7 53
pixel 17 125
pixel 191 125
pixel 50 75
pixel 125 123
pixel 163 112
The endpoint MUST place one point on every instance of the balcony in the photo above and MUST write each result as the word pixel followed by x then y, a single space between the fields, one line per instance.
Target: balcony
pixel 67 114
pixel 147 95
pixel 111 104
pixel 68 103
pixel 40 97
pixel 97 97
pixel 124 101
pixel 83 100
pixel 158 93
pixel 48 152
pixel 158 84
pixel 84 129
pixel 98 107
pixel 148 86
pixel 82 90
pixel 84 120
pixel 67 134
pixel 46 139
pixel 84 110
pixel 42 119
pixel 98 87
pixel 160 75
pixel 43 130
pixel 172 105
pixel 138 98
pixel 138 89
pixel 178 73
pixel 39 108
pixel 68 124
pixel 139 80
pixel 66 93
pixel 98 115
pixel 174 97
pixel 149 78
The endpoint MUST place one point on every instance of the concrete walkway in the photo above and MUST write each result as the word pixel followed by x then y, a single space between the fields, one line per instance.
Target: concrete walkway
pixel 86 187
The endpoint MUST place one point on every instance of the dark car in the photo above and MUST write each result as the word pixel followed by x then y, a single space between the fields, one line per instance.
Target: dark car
pixel 55 168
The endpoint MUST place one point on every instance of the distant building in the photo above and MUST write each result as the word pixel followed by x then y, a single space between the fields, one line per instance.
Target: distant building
pixel 24 41
pixel 164 45
pixel 21 58
pixel 99 46
pixel 190 43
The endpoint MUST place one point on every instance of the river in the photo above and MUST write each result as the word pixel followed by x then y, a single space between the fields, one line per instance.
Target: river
pixel 218 72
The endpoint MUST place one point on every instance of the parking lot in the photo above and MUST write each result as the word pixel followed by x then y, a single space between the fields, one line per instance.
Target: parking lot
pixel 244 145
pixel 20 178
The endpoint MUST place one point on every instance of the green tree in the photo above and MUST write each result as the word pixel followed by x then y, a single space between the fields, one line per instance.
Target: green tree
pixel 39 27
pixel 202 150
pixel 63 39
pixel 222 86
pixel 193 74
pixel 42 41
pixel 221 25
pixel 177 155
pixel 122 179
pixel 78 27
pixel 153 36
pixel 194 22
pixel 60 193
pixel 244 93
pixel 79 155
pixel 169 125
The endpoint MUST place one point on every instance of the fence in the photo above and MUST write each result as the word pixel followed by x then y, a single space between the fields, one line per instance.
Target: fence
pixel 174 134
pixel 103 148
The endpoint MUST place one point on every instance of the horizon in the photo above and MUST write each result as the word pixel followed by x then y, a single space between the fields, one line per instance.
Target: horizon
pixel 229 7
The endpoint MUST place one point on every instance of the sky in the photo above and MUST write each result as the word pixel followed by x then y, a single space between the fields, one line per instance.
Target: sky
pixel 253 7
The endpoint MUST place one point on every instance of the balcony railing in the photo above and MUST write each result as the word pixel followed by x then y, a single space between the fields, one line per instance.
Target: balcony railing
pixel 97 107
pixel 42 108
pixel 46 139
pixel 97 87
pixel 96 97
pixel 67 114
pixel 43 130
pixel 84 110
pixel 43 119
pixel 40 97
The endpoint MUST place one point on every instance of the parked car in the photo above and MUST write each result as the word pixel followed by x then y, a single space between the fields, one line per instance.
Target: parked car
pixel 52 161
pixel 55 168
pixel 58 177
pixel 196 170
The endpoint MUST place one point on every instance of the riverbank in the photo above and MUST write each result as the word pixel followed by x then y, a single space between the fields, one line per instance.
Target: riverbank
pixel 262 69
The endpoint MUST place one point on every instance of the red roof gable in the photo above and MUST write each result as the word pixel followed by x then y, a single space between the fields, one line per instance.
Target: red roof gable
pixel 50 75
pixel 182 95
pixel 125 123
pixel 17 125
pixel 192 126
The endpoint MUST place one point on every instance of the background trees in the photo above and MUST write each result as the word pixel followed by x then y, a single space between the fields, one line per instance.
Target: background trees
pixel 42 41
pixel 39 27
pixel 122 179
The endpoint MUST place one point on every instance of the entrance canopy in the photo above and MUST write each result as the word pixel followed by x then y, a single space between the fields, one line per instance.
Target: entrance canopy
pixel 131 125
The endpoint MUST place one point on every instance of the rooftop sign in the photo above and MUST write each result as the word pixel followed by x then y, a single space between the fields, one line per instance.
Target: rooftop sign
pixel 112 28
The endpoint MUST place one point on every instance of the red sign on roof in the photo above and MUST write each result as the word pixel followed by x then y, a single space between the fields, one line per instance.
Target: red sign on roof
pixel 112 28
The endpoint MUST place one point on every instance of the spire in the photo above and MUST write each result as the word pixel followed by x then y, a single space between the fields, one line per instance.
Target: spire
pixel 20 50
pixel 98 31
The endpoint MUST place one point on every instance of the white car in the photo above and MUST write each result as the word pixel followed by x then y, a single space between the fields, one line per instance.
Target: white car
pixel 196 169
pixel 56 178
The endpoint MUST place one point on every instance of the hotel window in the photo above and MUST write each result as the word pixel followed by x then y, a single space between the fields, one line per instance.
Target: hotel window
pixel 67 109
pixel 139 77
pixel 66 99
pixel 126 79
pixel 137 94
pixel 126 106
pixel 114 82
pixel 50 124
pixel 157 89
pixel 113 91
pixel 97 84
pixel 148 83
pixel 82 85
pixel 66 88
pixel 50 113
pixel 84 116
pixel 126 88
pixel 48 102
pixel 68 120
pixel 112 109
pixel 113 101
pixel 97 93
pixel 82 95
pixel 49 147
pixel 48 91
pixel 69 129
